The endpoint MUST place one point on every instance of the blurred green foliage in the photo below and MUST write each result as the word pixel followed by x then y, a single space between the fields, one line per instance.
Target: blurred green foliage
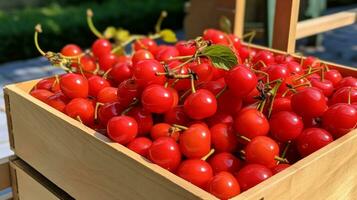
pixel 63 23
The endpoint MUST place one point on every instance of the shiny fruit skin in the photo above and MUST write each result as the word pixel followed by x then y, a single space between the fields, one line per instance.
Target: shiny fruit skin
pixel 312 139
pixel 41 94
pixel 101 47
pixel 140 145
pixel 80 107
pixel 334 76
pixel 200 105
pixel 195 142
pixel 224 162
pixel 223 138
pixel 96 84
pixel 163 130
pixel 74 86
pixel 157 99
pixel 144 119
pixel 285 126
pixel 309 102
pixel 108 111
pixel 121 71
pixel 165 152
pixel 141 55
pixel 251 123
pixel 241 81
pixel 107 95
pixel 280 167
pixel 196 171
pixel 251 175
pixel 58 101
pixel 145 73
pixel 122 129
pixel 224 185
pixel 343 94
pixel 262 150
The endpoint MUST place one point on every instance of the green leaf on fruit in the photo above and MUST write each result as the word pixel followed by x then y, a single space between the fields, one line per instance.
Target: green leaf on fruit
pixel 168 35
pixel 221 56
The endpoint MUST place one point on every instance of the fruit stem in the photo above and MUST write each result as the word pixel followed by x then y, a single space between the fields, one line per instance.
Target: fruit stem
pixel 180 57
pixel 184 63
pixel 105 75
pixel 38 30
pixel 97 105
pixel 283 154
pixel 131 106
pixel 91 25
pixel 163 15
pixel 349 96
pixel 244 138
pixel 193 89
pixel 306 75
pixel 280 159
pixel 79 119
pixel 180 127
pixel 273 92
pixel 204 158
pixel 221 92
pixel 261 72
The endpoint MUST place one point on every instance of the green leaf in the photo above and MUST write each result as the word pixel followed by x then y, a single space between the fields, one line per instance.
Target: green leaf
pixel 168 35
pixel 225 24
pixel 221 56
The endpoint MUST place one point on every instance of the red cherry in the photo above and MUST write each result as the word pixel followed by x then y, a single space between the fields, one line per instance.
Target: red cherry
pixel 280 167
pixel 107 95
pixel 108 111
pixel 145 43
pixel 145 73
pixel 334 76
pixel 251 123
pixel 251 175
pixel 41 94
pixel 285 126
pixel 45 84
pixel 264 56
pixel 347 81
pixel 339 119
pixel 143 118
pixel 88 64
pixel 140 145
pixel 183 84
pixel 224 186
pixel 251 97
pixel 325 86
pixel 309 102
pixel 128 91
pixel 343 94
pixel 163 130
pixel 101 47
pixel 96 84
pixel 215 36
pixel 200 105
pixel 176 116
pixel 224 162
pixel 165 152
pixel 312 139
pixel 281 104
pixel 241 81
pixel 186 48
pixel 277 71
pixel 311 61
pixel 196 171
pixel 167 53
pixel 74 85
pixel 203 71
pixel 122 129
pixel 213 86
pixel 121 71
pixel 195 142
pixel 223 138
pixel 141 55
pixel 227 103
pixel 157 99
pixel 245 53
pixel 220 118
pixel 294 68
pixel 82 108
pixel 107 61
pixel 237 43
pixel 262 150
pixel 71 50
pixel 58 101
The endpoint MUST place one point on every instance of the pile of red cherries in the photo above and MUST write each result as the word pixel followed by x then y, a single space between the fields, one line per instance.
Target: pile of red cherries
pixel 224 131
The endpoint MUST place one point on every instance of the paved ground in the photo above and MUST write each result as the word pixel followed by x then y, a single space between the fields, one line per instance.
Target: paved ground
pixel 339 46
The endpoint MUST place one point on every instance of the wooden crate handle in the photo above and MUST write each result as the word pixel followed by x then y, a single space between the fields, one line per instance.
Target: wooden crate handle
pixel 239 18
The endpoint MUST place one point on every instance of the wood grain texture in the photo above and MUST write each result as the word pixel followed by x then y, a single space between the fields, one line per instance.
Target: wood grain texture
pixel 239 18
pixel 84 163
pixel 285 20
pixel 4 174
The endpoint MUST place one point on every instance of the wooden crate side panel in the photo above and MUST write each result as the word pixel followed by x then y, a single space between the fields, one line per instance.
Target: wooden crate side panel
pixel 329 173
pixel 84 163
pixel 4 174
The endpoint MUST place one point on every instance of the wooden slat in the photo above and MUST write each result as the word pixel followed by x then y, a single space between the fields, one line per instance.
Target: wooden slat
pixel 239 18
pixel 4 174
pixel 286 17
pixel 325 23
pixel 83 162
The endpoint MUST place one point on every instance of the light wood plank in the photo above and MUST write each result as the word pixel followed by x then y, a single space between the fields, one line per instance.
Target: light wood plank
pixel 286 17
pixel 4 174
pixel 239 18
pixel 84 163
pixel 325 23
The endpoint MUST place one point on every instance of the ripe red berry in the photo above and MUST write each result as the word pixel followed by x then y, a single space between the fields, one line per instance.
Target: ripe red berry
pixel 224 162
pixel 251 123
pixel 224 186
pixel 176 115
pixel 96 84
pixel 195 142
pixel 101 47
pixel 186 48
pixel 58 101
pixel 107 95
pixel 167 53
pixel 41 94
pixel 309 102
pixel 145 43
pixel 262 150
pixel 108 111
pixel 122 129
pixel 82 108
pixel 196 171
pixel 107 61
pixel 128 91
pixel 165 152
pixel 280 167
pixel 140 145
pixel 157 99
pixel 141 55
pixel 223 138
pixel 71 50
pixel 312 139
pixel 144 119
pixel 344 95
pixel 285 126
pixel 252 174
pixel 200 105
pixel 121 71
pixel 74 86
pixel 145 73
pixel 241 81
pixel 215 36
pixel 163 130
pixel 334 76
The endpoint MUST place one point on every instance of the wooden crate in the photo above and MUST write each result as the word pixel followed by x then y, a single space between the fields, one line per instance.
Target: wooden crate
pixel 87 165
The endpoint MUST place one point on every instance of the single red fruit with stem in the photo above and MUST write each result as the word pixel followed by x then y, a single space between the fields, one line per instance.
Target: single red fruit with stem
pixel 145 73
pixel 81 109
pixel 344 95
pixel 101 47
pixel 311 140
pixel 262 150
pixel 310 61
pixel 223 138
pixel 121 71
pixel 294 68
pixel 224 162
pixel 107 61
pixel 195 141
pixel 107 95
pixel 241 81
pixel 281 104
pixel 277 71
pixel 88 64
pixel 144 119
pixel 108 111
pixel 128 91
pixel 176 115
pixel 325 86
pixel 251 123
pixel 309 102
pixel 251 175
pixel 122 129
pixel 200 104
pixel 145 43
pixel 196 171
pixel 265 57
pixel 339 119
pixel 157 99
pixel 167 53
pixel 164 130
pixel 96 84
pixel 140 145
pixel 285 126
pixel 186 48
pixel 224 185
pixel 141 55
pixel 74 85
pixel 71 50
pixel 165 152
pixel 334 76
pixel 215 36
pixel 58 101
pixel 348 81
pixel 41 94
pixel 203 71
